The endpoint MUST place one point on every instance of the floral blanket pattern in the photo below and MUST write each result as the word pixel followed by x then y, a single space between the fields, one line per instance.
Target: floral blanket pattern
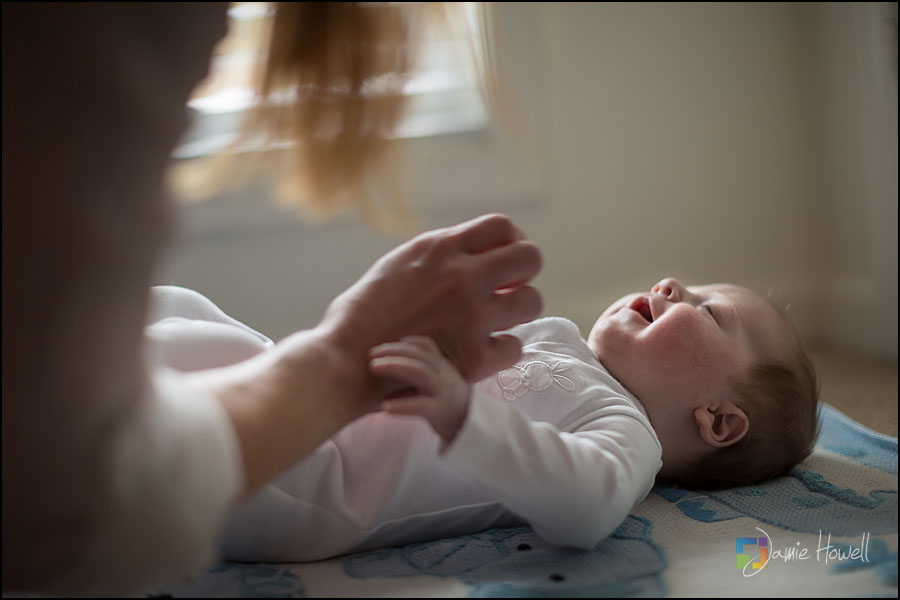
pixel 829 528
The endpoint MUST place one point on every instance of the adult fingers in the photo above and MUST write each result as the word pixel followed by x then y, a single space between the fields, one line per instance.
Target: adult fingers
pixel 487 232
pixel 510 265
pixel 512 307
pixel 502 351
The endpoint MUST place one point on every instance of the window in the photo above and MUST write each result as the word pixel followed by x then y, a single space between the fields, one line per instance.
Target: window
pixel 444 95
pixel 461 167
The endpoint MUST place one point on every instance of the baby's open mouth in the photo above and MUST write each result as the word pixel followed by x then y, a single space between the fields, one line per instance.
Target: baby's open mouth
pixel 641 305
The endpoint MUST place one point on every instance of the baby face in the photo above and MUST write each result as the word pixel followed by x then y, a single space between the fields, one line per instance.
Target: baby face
pixel 678 346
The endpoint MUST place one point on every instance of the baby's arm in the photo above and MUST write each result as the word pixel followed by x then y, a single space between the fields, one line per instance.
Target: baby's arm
pixel 441 394
pixel 575 489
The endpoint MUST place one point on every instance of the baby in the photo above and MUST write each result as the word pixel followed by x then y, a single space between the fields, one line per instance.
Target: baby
pixel 703 387
pixel 703 362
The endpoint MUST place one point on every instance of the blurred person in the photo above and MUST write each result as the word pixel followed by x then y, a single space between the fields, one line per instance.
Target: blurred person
pixel 119 473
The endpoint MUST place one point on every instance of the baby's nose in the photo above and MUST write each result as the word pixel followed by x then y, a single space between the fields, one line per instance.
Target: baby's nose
pixel 668 287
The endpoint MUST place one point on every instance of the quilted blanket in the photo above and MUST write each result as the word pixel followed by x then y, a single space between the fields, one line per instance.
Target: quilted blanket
pixel 829 528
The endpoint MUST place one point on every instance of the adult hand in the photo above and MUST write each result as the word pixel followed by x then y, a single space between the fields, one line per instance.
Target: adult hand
pixel 458 285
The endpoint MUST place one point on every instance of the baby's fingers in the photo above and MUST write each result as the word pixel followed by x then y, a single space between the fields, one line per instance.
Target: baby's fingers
pixel 423 343
pixel 412 346
pixel 420 406
pixel 411 371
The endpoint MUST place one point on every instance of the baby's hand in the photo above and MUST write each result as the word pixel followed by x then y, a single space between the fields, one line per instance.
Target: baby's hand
pixel 441 394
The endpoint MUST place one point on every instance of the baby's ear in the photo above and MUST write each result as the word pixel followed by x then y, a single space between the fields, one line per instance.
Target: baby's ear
pixel 721 426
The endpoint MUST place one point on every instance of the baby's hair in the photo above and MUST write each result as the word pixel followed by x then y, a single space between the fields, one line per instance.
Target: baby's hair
pixel 781 401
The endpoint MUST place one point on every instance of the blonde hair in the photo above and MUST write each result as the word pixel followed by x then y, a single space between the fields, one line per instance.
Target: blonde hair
pixel 329 98
pixel 781 401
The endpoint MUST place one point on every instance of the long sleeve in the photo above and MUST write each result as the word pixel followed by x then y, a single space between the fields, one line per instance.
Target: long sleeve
pixel 576 488
pixel 113 476
pixel 173 473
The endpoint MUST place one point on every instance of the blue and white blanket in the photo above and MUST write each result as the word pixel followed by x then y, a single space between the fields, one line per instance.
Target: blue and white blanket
pixel 827 529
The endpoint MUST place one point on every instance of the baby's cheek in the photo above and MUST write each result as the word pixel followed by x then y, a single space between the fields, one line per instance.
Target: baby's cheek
pixel 679 344
pixel 698 359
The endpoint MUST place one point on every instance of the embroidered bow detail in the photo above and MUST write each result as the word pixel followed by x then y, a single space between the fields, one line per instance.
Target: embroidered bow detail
pixel 535 376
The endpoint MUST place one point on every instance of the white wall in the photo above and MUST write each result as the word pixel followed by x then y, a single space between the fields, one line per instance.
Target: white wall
pixel 713 142
pixel 858 77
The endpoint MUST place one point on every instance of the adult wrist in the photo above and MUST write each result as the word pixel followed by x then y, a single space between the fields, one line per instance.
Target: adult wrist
pixel 284 402
pixel 342 364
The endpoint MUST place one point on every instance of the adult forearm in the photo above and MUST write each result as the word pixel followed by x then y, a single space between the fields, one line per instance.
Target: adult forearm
pixel 286 402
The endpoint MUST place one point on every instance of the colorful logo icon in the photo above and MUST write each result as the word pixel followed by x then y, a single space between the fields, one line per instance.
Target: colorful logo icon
pixel 743 558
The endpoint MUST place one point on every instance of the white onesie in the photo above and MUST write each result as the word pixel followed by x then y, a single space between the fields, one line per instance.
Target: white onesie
pixel 553 441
